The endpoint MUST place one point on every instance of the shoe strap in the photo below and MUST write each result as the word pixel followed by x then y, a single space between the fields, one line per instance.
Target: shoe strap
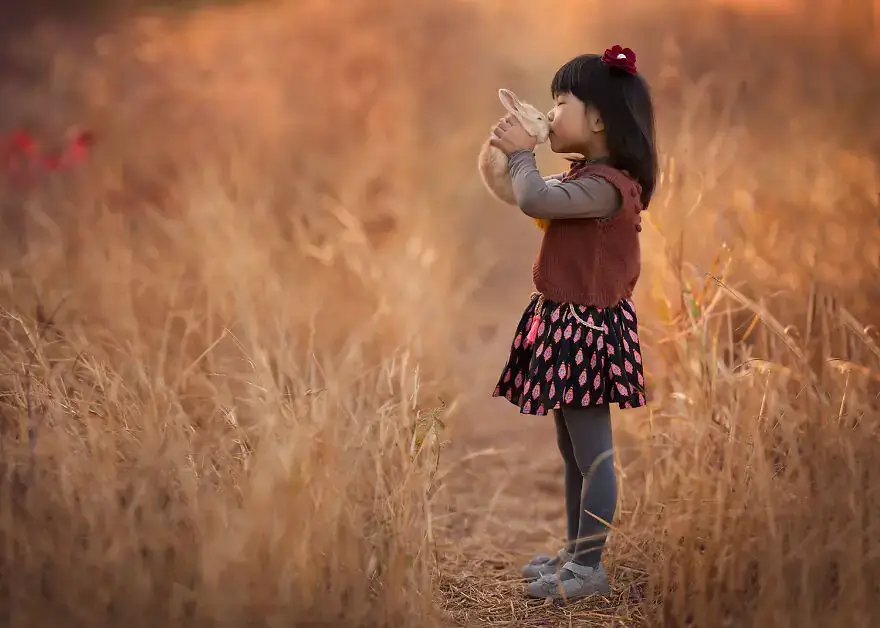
pixel 579 570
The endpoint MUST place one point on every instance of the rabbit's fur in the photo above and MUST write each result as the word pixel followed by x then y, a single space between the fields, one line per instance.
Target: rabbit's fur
pixel 492 161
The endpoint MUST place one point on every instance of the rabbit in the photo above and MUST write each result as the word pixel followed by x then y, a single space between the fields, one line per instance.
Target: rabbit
pixel 492 162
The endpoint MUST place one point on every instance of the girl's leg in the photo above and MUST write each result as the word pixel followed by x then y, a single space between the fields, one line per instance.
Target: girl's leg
pixel 590 433
pixel 541 565
pixel 589 430
pixel 573 481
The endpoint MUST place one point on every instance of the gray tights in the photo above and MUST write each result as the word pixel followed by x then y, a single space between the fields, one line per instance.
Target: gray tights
pixel 584 438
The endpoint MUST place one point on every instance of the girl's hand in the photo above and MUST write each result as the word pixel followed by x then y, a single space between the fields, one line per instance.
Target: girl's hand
pixel 509 136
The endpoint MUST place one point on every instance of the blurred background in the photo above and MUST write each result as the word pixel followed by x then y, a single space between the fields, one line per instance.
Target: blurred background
pixel 248 343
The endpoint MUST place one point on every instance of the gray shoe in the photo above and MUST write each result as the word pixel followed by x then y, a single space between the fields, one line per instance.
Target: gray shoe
pixel 587 581
pixel 545 565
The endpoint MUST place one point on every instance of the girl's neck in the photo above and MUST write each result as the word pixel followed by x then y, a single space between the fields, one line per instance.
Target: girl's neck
pixel 590 159
pixel 596 159
pixel 596 150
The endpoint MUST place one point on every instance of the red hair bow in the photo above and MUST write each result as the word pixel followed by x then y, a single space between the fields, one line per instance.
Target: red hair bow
pixel 620 58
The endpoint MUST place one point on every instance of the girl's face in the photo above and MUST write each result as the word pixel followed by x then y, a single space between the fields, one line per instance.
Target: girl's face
pixel 575 127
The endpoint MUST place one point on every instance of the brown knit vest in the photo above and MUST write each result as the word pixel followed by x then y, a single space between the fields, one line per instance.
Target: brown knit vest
pixel 593 261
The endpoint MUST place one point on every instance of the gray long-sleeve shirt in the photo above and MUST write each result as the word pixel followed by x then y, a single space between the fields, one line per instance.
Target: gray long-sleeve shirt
pixel 549 198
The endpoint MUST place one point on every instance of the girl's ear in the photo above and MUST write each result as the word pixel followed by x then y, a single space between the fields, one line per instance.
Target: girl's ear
pixel 509 100
pixel 594 120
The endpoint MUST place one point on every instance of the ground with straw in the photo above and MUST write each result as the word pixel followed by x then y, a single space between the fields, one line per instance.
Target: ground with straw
pixel 246 347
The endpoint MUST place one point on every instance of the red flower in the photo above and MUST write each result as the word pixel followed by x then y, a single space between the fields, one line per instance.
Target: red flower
pixel 84 139
pixel 620 58
pixel 21 159
pixel 79 148
pixel 52 163
pixel 21 141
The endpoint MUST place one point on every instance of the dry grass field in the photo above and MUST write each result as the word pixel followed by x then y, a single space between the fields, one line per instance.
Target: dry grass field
pixel 246 349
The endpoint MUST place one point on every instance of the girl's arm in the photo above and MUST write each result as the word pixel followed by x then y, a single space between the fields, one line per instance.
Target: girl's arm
pixel 587 197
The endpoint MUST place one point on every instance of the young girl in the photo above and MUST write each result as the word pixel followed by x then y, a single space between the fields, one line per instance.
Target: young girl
pixel 576 349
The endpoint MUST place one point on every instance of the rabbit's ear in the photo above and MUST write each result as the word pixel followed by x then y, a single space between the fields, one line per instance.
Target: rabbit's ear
pixel 509 100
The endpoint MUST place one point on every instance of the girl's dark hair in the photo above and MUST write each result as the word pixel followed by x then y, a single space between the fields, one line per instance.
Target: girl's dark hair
pixel 624 102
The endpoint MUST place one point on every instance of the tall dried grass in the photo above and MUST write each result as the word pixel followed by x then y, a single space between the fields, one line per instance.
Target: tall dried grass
pixel 226 341
pixel 215 336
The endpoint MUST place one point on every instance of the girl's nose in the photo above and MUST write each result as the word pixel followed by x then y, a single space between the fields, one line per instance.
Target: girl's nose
pixel 550 115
